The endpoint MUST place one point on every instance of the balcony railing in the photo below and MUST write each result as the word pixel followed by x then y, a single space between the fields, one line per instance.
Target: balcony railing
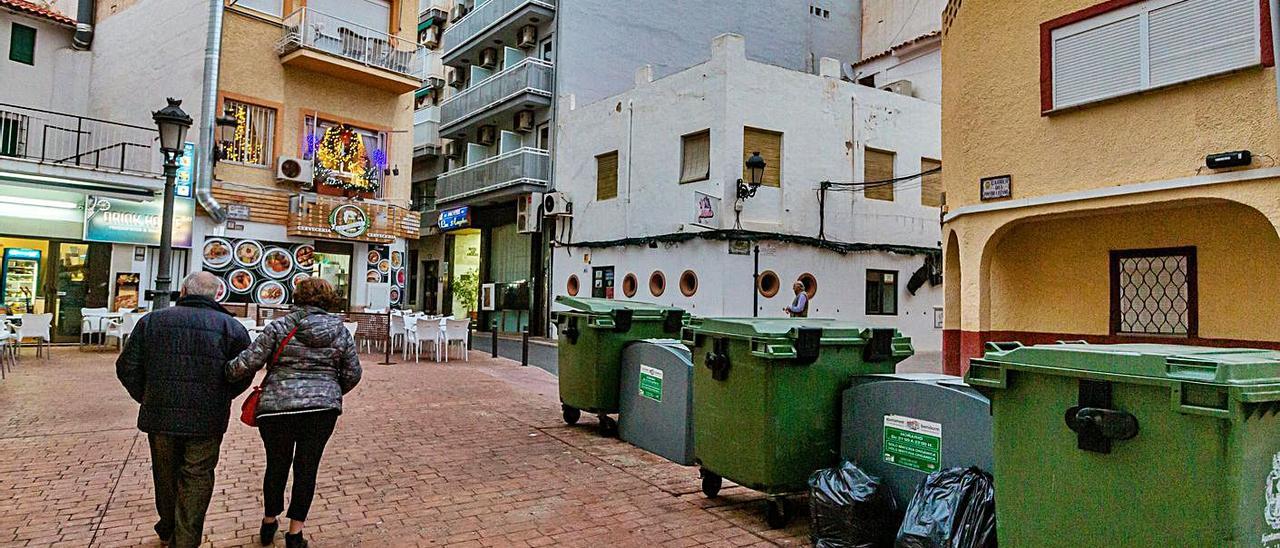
pixel 521 166
pixel 308 28
pixel 50 137
pixel 426 138
pixel 528 76
pixel 484 16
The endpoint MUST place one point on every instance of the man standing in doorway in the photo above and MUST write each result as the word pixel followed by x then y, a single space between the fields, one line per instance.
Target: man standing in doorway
pixel 799 307
pixel 173 365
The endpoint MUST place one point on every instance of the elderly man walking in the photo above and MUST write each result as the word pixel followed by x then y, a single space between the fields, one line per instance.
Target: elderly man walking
pixel 173 365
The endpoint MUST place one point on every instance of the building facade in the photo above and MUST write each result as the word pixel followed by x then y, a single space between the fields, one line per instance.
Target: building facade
pixel 652 176
pixel 902 48
pixel 1080 203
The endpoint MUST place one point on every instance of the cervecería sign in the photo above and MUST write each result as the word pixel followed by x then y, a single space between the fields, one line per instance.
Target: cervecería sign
pixel 337 219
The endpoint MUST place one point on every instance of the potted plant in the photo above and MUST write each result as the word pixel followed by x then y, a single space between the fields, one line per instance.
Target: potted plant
pixel 467 289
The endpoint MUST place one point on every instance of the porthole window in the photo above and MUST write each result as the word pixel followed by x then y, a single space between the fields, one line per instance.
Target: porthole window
pixel 573 285
pixel 688 283
pixel 629 285
pixel 657 283
pixel 810 284
pixel 768 284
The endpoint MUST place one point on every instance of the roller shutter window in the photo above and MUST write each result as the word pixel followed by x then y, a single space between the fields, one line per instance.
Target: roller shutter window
pixel 877 166
pixel 769 145
pixel 269 7
pixel 695 157
pixel 931 184
pixel 1152 44
pixel 22 44
pixel 607 176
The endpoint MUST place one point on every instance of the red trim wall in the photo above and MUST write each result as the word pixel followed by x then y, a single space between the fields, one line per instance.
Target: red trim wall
pixel 1046 41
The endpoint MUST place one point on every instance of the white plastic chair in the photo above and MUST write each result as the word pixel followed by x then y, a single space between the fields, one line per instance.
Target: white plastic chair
pixel 122 328
pixel 351 328
pixel 455 331
pixel 36 326
pixel 248 323
pixel 7 357
pixel 397 330
pixel 425 330
pixel 93 321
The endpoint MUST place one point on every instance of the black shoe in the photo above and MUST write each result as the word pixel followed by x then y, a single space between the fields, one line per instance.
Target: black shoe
pixel 267 534
pixel 294 540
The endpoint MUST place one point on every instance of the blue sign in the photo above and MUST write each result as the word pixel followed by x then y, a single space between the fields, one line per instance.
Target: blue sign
pixel 186 171
pixel 20 253
pixel 453 219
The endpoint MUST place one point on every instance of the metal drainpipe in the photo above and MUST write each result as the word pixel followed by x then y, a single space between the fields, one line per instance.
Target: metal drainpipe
pixel 84 25
pixel 209 114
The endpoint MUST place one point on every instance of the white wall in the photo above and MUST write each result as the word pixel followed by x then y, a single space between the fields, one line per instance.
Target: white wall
pixel 887 23
pixel 921 66
pixel 58 80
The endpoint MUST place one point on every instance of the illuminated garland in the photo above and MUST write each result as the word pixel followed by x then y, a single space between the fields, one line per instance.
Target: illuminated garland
pixel 244 146
pixel 342 161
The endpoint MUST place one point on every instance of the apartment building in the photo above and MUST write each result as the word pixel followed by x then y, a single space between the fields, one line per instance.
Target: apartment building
pixel 314 179
pixel 512 65
pixel 663 209
pixel 1088 196
pixel 902 48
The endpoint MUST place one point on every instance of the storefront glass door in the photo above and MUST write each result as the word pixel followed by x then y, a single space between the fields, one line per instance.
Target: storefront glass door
pixel 336 269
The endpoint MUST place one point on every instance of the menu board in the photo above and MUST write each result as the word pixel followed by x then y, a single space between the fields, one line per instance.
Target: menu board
pixel 255 271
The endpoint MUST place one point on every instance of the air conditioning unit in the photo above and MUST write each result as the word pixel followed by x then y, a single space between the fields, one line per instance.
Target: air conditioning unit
pixel 456 79
pixel 901 87
pixel 430 37
pixel 294 170
pixel 434 82
pixel 459 11
pixel 556 204
pixel 489 58
pixel 524 121
pixel 527 219
pixel 453 150
pixel 486 135
pixel 528 37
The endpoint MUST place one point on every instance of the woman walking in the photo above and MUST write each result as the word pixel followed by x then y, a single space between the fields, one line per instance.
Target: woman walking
pixel 311 362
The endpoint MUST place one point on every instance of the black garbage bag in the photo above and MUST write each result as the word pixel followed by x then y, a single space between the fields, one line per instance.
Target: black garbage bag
pixel 952 508
pixel 850 509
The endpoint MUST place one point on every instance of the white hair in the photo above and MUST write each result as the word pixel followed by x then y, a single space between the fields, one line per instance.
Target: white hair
pixel 201 284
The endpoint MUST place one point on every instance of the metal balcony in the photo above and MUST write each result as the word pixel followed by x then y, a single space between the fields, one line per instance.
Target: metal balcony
pixel 528 84
pixel 426 132
pixel 498 20
pixel 331 45
pixel 493 179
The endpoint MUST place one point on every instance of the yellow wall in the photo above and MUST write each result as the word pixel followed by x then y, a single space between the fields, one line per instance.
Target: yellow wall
pixel 991 121
pixel 1053 276
pixel 251 69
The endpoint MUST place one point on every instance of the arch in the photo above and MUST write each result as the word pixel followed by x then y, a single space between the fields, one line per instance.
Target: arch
pixel 952 355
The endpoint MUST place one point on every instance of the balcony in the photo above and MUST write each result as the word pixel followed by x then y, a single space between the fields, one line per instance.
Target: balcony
pixel 495 21
pixel 45 149
pixel 526 85
pixel 494 179
pixel 426 133
pixel 330 45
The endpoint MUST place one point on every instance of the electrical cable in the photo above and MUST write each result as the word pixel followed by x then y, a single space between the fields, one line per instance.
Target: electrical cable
pixel 756 236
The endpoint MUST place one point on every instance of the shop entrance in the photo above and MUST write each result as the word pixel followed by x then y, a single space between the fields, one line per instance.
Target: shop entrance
pixel 431 286
pixel 333 264
pixel 56 277
pixel 464 273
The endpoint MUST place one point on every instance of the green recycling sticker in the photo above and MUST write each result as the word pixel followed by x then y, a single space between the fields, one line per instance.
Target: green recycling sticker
pixel 651 383
pixel 913 443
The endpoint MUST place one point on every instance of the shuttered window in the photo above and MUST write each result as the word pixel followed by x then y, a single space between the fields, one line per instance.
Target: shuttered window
pixel 1151 44
pixel 607 176
pixel 931 184
pixel 769 145
pixel 877 166
pixel 695 157
pixel 22 44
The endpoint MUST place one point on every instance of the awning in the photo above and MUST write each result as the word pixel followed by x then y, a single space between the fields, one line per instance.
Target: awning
pixel 84 186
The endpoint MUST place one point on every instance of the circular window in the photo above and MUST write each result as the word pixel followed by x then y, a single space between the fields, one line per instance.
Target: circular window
pixel 810 284
pixel 688 283
pixel 573 285
pixel 629 285
pixel 768 284
pixel 657 283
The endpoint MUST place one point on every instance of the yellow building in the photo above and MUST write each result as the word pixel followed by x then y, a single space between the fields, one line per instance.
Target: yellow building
pixel 1079 204
pixel 321 159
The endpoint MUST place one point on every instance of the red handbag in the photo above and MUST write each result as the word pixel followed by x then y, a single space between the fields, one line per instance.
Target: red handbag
pixel 249 409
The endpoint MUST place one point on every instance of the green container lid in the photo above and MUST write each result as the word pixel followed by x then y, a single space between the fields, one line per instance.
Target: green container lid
pixel 604 307
pixel 833 331
pixel 1149 362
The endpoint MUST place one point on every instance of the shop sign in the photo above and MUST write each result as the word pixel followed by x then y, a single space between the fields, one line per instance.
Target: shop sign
pixel 995 188
pixel 238 212
pixel 122 221
pixel 453 219
pixel 186 171
pixel 706 210
pixel 349 221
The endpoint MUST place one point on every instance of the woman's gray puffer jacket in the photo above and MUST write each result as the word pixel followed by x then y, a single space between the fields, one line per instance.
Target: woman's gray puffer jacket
pixel 316 367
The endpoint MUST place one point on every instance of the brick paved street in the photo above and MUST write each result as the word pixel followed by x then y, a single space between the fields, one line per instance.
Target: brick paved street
pixel 426 454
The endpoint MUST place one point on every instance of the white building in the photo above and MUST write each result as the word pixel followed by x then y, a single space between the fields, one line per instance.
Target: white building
pixel 902 48
pixel 637 166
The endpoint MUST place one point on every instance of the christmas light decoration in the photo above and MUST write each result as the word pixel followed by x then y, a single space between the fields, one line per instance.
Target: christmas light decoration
pixel 343 162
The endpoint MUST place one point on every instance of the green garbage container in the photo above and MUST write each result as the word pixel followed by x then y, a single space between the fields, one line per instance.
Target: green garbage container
pixel 591 337
pixel 766 397
pixel 1134 445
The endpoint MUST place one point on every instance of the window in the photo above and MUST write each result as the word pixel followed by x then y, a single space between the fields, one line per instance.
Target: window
pixel 1153 292
pixel 607 176
pixel 877 166
pixel 372 14
pixel 1088 57
pixel 931 184
pixel 342 158
pixel 269 7
pixel 769 145
pixel 254 140
pixel 882 292
pixel 544 136
pixel 13 133
pixel 695 157
pixel 546 50
pixel 22 44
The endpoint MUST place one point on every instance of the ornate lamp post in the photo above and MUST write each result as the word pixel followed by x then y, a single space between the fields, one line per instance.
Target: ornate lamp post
pixel 173 124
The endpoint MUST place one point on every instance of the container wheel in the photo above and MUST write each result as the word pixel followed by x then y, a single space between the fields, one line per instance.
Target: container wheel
pixel 778 513
pixel 608 426
pixel 571 414
pixel 710 484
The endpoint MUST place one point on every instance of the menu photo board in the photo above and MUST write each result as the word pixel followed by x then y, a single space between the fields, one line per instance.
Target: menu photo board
pixel 254 271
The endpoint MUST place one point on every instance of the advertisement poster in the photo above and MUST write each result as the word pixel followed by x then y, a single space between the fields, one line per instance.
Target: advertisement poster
pixel 125 222
pixel 127 291
pixel 254 271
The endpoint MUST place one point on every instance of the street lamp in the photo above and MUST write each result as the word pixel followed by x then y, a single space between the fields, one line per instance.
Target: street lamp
pixel 226 124
pixel 755 170
pixel 173 124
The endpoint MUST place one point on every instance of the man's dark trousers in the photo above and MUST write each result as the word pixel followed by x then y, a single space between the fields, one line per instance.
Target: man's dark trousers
pixel 182 467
